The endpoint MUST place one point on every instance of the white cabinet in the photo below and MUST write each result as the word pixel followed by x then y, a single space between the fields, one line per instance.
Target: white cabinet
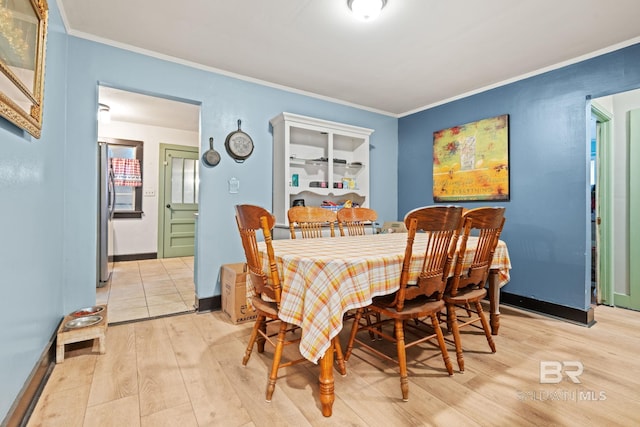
pixel 316 161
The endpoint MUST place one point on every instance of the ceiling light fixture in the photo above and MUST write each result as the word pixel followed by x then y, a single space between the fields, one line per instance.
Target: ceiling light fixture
pixel 366 10
pixel 104 113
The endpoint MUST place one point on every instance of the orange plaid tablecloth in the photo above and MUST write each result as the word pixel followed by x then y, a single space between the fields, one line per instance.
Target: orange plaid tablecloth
pixel 323 278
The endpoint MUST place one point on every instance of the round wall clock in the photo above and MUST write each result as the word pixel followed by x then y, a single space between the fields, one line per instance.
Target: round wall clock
pixel 239 145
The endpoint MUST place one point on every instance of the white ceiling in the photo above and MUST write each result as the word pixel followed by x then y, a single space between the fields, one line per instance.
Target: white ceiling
pixel 132 107
pixel 417 54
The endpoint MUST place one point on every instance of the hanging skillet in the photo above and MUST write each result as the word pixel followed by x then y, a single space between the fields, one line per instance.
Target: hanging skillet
pixel 211 157
pixel 239 145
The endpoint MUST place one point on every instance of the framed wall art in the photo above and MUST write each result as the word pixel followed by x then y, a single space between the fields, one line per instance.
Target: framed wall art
pixel 23 35
pixel 471 161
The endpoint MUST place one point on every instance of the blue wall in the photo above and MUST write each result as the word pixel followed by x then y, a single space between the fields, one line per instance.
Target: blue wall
pixel 223 101
pixel 548 217
pixel 31 226
pixel 49 186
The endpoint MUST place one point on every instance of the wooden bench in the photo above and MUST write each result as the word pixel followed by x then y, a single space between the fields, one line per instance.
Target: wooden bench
pixel 68 335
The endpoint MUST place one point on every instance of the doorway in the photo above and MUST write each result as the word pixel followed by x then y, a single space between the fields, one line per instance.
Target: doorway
pixel 145 283
pixel 600 146
pixel 618 199
pixel 152 120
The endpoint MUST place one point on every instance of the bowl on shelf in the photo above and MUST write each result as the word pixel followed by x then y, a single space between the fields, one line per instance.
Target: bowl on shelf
pixel 88 311
pixel 82 322
pixel 334 208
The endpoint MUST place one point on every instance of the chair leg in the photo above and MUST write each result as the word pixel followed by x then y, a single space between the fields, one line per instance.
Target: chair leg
pixel 443 348
pixel 449 324
pixel 402 359
pixel 277 355
pixel 367 319
pixel 337 349
pixel 252 339
pixel 467 307
pixel 485 326
pixel 261 337
pixel 354 331
pixel 455 329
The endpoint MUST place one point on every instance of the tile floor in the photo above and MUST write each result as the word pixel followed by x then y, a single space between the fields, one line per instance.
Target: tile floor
pixel 148 288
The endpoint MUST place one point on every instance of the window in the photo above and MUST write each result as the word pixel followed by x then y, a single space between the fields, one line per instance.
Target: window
pixel 184 180
pixel 126 159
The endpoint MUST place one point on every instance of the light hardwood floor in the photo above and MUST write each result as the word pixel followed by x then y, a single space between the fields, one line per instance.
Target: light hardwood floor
pixel 186 371
pixel 148 288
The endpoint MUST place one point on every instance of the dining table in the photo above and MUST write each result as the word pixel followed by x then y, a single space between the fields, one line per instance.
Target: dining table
pixel 323 278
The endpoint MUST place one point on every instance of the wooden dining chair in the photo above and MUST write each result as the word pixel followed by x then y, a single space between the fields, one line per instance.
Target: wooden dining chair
pixel 310 221
pixel 466 288
pixel 267 293
pixel 356 220
pixel 419 300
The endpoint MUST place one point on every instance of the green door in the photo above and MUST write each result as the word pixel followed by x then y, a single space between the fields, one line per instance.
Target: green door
pixel 180 200
pixel 629 296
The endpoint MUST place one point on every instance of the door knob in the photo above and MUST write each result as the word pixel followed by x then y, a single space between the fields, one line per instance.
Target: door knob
pixel 169 206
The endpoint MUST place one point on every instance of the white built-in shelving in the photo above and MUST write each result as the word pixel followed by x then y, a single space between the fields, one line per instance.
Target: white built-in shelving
pixel 318 160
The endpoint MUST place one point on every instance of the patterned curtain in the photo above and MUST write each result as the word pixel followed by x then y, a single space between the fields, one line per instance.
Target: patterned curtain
pixel 126 172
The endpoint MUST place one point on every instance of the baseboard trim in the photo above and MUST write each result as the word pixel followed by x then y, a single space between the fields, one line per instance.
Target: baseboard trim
pixel 135 257
pixel 26 401
pixel 569 314
pixel 203 305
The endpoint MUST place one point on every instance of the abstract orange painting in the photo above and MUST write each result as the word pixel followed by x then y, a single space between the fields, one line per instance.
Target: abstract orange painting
pixel 471 161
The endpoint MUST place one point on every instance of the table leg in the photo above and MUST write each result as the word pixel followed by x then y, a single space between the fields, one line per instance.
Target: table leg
pixel 494 301
pixel 326 382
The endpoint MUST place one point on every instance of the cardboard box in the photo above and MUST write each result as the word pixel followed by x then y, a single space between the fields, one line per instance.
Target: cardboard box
pixel 233 278
pixel 394 227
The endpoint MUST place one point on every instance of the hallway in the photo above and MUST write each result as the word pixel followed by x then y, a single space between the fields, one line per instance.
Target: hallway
pixel 148 288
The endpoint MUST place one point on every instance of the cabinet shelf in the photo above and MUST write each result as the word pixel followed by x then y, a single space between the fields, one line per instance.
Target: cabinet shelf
pixel 349 166
pixel 338 192
pixel 295 161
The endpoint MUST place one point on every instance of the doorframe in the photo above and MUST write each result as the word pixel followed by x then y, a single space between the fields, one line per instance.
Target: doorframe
pixel 604 205
pixel 161 201
pixel 631 300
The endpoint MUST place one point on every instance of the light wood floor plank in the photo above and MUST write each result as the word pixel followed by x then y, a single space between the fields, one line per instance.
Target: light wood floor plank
pixel 213 396
pixel 250 383
pixel 373 392
pixel 116 374
pixel 76 371
pixel 187 370
pixel 177 416
pixel 115 413
pixel 61 409
pixel 160 381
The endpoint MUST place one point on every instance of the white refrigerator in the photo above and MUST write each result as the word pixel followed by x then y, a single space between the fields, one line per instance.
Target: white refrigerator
pixel 106 194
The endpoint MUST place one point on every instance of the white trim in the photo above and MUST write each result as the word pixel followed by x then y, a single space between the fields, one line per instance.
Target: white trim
pixel 63 15
pixel 575 60
pixel 198 66
pixel 153 54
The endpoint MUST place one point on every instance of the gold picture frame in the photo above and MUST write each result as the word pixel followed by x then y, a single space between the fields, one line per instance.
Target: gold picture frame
pixel 23 36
